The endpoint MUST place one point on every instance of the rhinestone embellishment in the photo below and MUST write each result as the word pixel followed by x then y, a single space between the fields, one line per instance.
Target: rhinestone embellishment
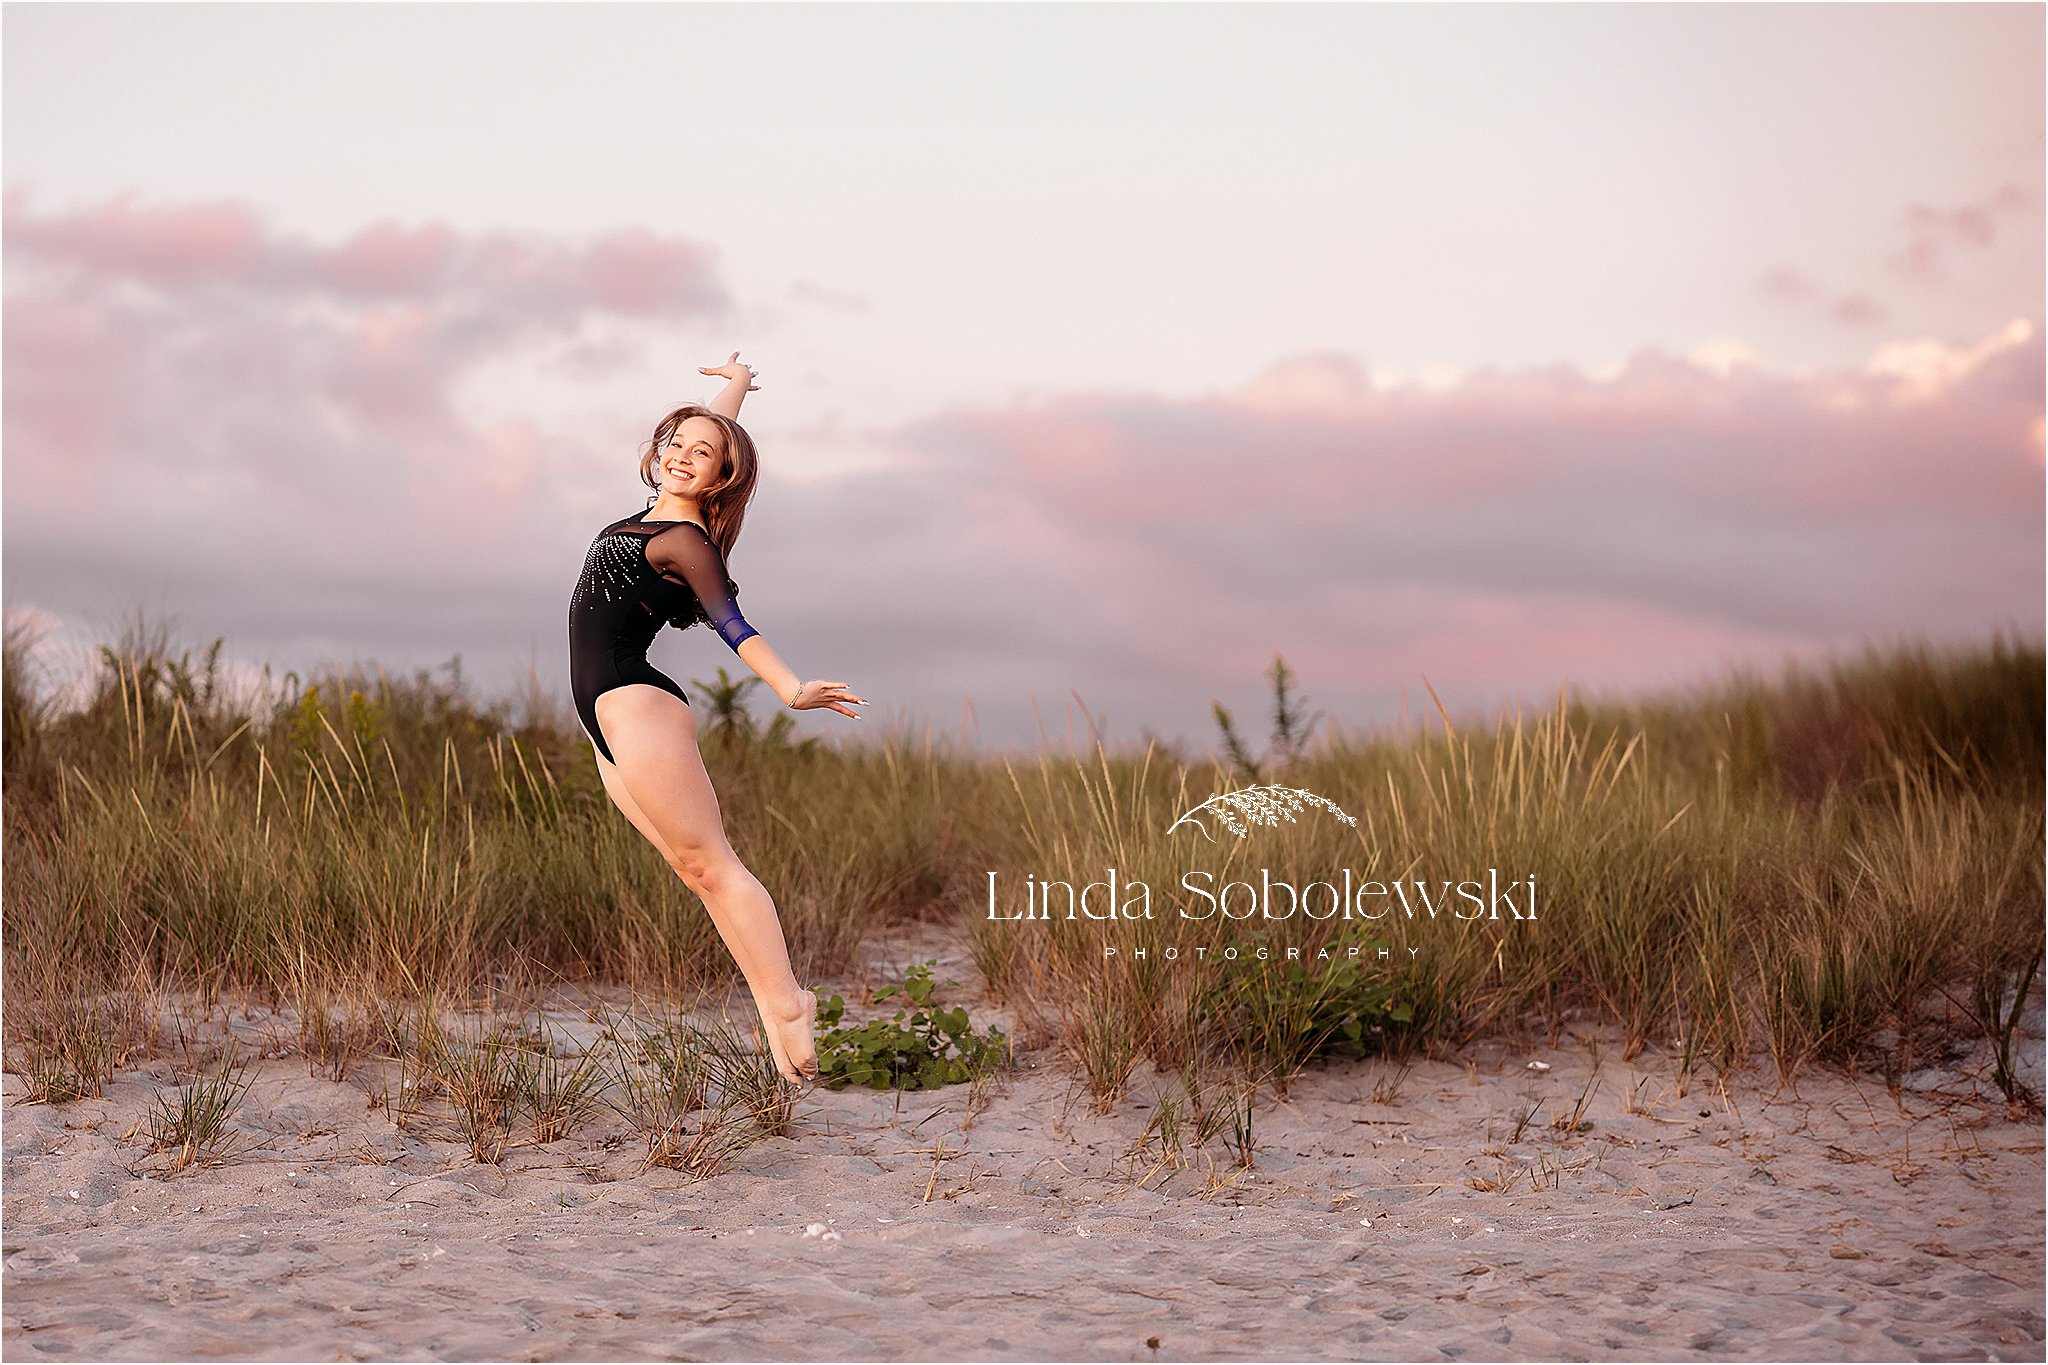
pixel 611 570
pixel 616 570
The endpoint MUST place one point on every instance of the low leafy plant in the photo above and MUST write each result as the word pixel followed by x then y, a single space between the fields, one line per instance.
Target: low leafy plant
pixel 922 1047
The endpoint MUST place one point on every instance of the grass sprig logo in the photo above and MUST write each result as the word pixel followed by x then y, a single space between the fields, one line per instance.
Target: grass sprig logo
pixel 1258 806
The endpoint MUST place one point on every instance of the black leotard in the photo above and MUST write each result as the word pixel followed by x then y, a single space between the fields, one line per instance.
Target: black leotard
pixel 638 577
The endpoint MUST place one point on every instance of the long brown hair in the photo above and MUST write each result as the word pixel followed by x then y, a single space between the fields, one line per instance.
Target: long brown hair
pixel 724 504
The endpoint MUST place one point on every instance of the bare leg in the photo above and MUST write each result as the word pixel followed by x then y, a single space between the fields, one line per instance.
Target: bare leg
pixel 660 784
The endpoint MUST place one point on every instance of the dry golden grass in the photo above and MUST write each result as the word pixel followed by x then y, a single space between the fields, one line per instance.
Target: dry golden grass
pixel 1841 865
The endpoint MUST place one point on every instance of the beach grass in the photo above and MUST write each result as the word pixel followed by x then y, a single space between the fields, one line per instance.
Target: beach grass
pixel 1841 864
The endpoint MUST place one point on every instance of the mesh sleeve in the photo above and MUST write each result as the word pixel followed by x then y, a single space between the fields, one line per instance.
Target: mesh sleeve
pixel 685 554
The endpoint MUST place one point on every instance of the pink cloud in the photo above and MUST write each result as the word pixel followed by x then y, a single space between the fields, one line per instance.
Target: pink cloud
pixel 1792 289
pixel 170 246
pixel 1786 285
pixel 276 425
pixel 1933 234
pixel 1514 530
pixel 630 271
pixel 1858 310
pixel 390 259
pixel 270 411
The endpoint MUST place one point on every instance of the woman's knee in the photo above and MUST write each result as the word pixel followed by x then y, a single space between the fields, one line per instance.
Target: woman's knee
pixel 704 867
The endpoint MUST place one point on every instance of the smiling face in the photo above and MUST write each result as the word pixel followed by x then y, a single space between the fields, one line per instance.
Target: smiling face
pixel 695 458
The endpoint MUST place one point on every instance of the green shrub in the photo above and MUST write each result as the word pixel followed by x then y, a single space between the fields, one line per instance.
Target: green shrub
pixel 931 1048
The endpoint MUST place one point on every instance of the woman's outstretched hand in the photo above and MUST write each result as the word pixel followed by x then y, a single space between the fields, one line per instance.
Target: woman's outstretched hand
pixel 819 695
pixel 732 369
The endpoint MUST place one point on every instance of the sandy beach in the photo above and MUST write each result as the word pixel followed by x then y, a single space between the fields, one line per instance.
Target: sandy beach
pixel 1824 1220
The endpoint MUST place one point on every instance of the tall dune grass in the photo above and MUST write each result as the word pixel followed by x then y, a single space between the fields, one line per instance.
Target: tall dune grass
pixel 1845 866
pixel 1842 864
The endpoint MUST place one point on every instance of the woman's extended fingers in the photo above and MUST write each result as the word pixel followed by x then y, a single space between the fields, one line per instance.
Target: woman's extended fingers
pixel 728 371
pixel 832 696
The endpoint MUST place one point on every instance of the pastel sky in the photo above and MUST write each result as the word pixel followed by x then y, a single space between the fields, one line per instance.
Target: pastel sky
pixel 1105 350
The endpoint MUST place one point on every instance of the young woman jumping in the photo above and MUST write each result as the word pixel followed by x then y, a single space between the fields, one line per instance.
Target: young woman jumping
pixel 665 565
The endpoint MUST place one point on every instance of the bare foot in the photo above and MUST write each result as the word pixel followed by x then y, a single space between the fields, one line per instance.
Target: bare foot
pixel 792 1039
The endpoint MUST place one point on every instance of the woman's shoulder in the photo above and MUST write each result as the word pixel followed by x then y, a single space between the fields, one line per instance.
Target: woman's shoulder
pixel 686 552
pixel 687 538
pixel 631 524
